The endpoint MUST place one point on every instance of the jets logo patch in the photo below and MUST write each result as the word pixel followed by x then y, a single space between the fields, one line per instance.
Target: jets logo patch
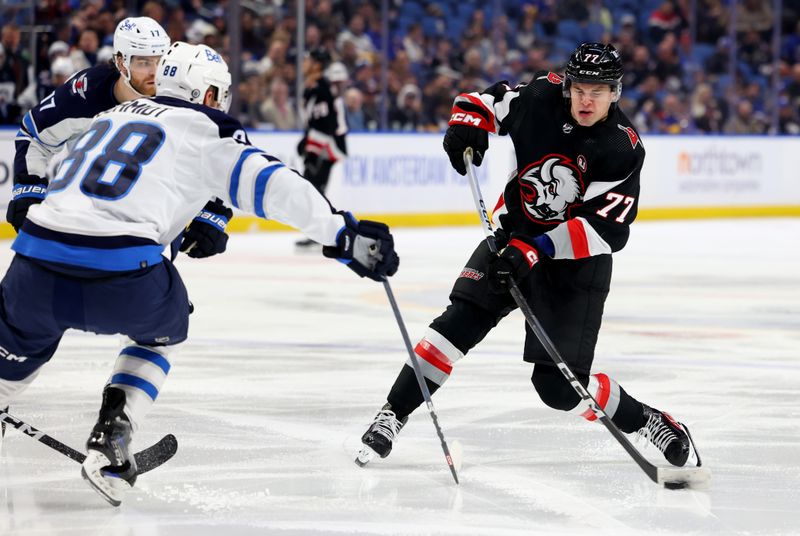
pixel 79 86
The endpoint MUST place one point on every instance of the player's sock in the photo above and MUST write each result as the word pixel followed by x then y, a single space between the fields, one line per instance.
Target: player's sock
pixel 140 371
pixel 109 467
pixel 624 410
pixel 435 356
pixel 670 437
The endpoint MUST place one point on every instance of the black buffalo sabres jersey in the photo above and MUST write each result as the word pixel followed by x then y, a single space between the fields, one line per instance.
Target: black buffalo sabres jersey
pixel 576 186
pixel 62 116
pixel 325 122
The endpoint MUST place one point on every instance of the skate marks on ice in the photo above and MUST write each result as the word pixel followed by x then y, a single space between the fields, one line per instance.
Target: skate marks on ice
pixel 283 369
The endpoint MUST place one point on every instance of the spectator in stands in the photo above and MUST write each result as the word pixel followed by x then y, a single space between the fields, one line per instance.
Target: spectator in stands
pixel 572 10
pixel 788 120
pixel 414 43
pixel 85 53
pixel 712 21
pixel 406 114
pixel 10 113
pixel 15 62
pixel 277 110
pixel 668 65
pixel 706 111
pixel 638 68
pixel 355 34
pixel 60 70
pixel 665 19
pixel 674 118
pixel 743 120
pixel 754 16
pixel 354 110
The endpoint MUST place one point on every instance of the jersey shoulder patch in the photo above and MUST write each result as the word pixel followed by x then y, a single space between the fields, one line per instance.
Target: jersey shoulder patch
pixel 633 136
pixel 94 85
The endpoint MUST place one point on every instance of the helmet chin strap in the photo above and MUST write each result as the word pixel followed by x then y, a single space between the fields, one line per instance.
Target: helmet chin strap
pixel 126 77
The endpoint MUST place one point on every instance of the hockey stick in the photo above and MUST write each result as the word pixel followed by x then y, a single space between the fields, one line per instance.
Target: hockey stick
pixel 146 460
pixel 672 477
pixel 420 378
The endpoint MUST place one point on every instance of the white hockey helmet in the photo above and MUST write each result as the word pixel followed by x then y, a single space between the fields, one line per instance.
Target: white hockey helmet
pixel 139 36
pixel 337 72
pixel 187 71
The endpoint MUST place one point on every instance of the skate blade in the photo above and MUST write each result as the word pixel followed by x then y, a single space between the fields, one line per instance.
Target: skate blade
pixel 684 477
pixel 109 486
pixel 365 455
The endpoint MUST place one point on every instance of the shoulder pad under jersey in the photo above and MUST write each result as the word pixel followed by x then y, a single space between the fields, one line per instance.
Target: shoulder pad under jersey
pixel 228 126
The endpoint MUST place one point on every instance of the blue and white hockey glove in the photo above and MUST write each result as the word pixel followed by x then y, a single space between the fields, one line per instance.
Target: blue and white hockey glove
pixel 366 247
pixel 205 236
pixel 28 190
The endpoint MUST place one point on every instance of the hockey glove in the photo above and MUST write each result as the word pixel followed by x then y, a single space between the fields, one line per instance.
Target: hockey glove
pixel 29 190
pixel 205 236
pixel 514 262
pixel 366 247
pixel 470 125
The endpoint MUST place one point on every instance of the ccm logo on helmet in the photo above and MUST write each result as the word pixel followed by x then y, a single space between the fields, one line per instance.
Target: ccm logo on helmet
pixel 461 117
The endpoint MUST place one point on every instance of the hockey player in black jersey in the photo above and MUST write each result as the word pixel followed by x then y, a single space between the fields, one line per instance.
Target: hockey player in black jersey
pixel 323 143
pixel 562 214
pixel 61 118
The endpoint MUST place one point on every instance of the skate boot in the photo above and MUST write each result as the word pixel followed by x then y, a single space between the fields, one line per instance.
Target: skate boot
pixel 670 437
pixel 109 467
pixel 380 435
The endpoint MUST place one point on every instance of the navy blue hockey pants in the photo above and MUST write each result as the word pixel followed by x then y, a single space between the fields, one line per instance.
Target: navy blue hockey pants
pixel 38 304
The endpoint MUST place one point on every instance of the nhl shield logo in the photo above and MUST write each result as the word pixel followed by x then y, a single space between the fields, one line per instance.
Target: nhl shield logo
pixel 567 128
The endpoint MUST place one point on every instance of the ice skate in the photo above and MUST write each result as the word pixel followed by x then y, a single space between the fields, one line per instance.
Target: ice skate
pixel 670 437
pixel 380 435
pixel 109 467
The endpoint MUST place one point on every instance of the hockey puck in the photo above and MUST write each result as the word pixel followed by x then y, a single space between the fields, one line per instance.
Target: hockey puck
pixel 676 485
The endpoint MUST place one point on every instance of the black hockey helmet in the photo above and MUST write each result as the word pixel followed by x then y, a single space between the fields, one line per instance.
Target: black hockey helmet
pixel 321 56
pixel 595 63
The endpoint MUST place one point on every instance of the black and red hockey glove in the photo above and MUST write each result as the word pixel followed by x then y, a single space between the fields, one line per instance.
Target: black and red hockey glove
pixel 470 124
pixel 205 236
pixel 514 262
pixel 28 190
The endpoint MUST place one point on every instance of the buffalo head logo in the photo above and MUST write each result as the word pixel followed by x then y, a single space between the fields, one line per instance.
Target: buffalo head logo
pixel 548 187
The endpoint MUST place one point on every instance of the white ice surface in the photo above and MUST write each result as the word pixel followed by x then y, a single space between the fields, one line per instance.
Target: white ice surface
pixel 290 356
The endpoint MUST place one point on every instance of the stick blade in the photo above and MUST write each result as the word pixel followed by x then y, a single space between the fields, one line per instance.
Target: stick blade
pixel 684 477
pixel 156 454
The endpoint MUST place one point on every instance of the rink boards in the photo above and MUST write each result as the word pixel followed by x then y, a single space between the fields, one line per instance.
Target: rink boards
pixel 406 179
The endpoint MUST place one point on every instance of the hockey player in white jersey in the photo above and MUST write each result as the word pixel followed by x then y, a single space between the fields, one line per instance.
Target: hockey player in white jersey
pixel 61 118
pixel 90 257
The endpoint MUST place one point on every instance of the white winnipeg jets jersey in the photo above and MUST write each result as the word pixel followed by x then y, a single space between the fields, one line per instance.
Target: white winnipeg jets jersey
pixel 146 167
